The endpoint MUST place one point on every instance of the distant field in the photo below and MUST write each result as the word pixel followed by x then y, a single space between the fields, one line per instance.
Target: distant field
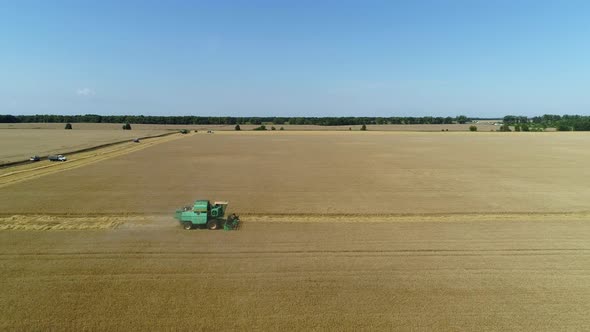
pixel 20 144
pixel 18 141
pixel 327 173
pixel 484 126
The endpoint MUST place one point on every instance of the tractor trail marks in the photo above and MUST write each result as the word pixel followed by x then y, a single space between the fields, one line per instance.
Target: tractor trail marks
pixel 141 221
pixel 50 222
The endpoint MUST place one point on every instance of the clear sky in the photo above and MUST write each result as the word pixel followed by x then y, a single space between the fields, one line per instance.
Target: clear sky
pixel 295 58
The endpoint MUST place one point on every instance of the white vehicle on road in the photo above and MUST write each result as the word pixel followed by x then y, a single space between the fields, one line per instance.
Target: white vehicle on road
pixel 57 158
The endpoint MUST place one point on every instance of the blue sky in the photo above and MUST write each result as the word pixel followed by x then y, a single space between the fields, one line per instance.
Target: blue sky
pixel 295 58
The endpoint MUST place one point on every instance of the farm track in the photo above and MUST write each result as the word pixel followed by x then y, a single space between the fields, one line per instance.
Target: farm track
pixel 23 172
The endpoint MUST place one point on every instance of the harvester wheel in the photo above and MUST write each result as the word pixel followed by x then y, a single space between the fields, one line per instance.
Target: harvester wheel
pixel 187 225
pixel 212 224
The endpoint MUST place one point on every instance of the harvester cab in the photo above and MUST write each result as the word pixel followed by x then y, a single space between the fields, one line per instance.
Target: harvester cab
pixel 203 213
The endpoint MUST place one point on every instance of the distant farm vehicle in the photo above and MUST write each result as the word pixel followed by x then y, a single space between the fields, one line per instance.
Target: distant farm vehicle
pixel 34 158
pixel 209 131
pixel 136 140
pixel 184 131
pixel 205 214
pixel 57 158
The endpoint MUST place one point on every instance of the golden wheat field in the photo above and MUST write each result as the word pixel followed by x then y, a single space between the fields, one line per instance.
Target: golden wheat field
pixel 341 231
pixel 327 173
pixel 19 141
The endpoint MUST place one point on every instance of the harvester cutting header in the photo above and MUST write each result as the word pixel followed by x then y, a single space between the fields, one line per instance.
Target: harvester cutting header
pixel 205 214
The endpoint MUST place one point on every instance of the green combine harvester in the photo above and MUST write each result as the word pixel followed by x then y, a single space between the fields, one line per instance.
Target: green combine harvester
pixel 204 214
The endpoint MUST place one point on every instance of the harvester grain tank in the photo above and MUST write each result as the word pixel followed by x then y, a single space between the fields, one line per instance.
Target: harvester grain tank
pixel 205 214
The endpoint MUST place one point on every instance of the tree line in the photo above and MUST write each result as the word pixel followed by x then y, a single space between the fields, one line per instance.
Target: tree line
pixel 227 120
pixel 559 122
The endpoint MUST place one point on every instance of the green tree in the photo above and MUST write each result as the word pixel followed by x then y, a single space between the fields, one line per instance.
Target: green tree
pixel 127 126
pixel 472 128
pixel 461 119
pixel 582 125
pixel 237 127
pixel 364 127
pixel 68 126
pixel 9 118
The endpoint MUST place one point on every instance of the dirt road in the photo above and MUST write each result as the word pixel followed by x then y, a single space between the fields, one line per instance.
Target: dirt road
pixel 19 173
pixel 286 276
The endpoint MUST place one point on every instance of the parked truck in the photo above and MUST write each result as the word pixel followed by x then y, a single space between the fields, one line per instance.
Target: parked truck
pixel 58 157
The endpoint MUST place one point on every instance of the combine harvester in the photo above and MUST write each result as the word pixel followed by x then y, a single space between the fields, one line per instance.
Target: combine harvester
pixel 205 214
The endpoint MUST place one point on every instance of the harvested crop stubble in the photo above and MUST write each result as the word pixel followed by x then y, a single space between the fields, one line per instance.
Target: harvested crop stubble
pixel 343 231
pixel 455 217
pixel 49 222
pixel 471 275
